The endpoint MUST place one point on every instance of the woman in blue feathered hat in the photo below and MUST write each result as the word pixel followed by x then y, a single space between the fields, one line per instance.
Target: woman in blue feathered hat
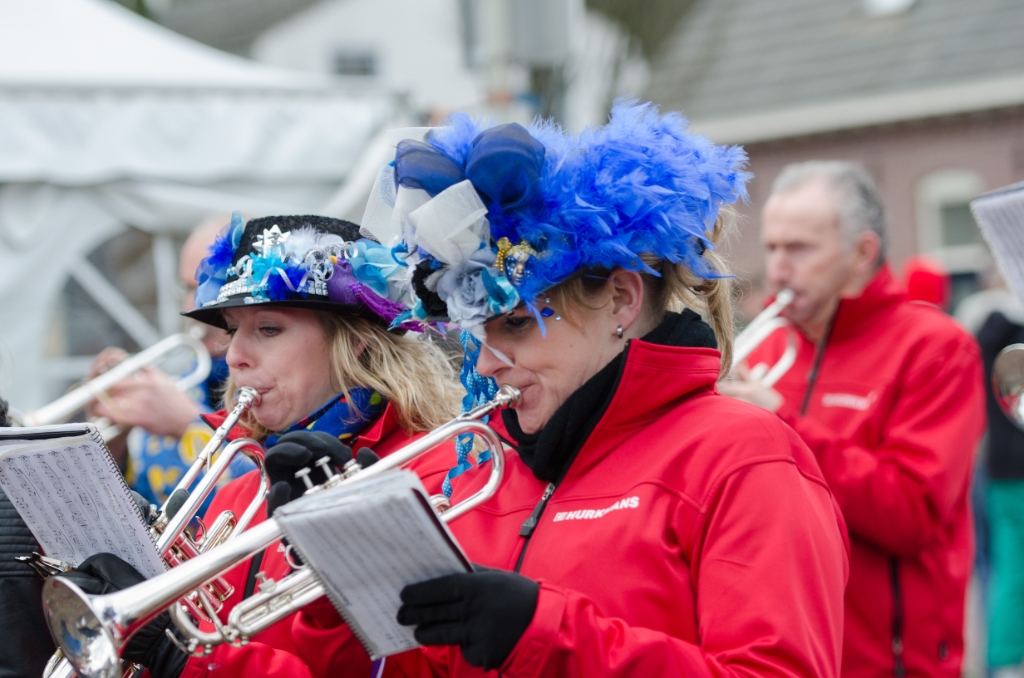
pixel 647 525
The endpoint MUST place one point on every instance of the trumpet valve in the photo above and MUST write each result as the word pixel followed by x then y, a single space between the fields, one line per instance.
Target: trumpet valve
pixel 219 532
pixel 303 475
pixel 324 464
pixel 351 468
pixel 220 590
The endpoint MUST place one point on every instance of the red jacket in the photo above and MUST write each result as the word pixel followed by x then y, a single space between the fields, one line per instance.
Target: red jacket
pixel 893 416
pixel 693 536
pixel 271 653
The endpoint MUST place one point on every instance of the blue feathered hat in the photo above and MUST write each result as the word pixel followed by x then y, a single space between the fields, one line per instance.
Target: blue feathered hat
pixel 488 217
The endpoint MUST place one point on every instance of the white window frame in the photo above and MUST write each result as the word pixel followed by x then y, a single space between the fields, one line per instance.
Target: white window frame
pixel 935 191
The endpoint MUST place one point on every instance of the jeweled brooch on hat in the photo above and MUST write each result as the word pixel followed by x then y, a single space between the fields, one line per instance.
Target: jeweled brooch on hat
pixel 512 260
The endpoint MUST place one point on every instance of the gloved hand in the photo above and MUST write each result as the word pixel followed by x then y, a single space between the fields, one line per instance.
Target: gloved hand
pixel 145 508
pixel 484 612
pixel 302 449
pixel 150 647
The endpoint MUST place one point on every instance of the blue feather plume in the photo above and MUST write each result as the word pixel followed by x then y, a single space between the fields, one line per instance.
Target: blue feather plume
pixel 639 184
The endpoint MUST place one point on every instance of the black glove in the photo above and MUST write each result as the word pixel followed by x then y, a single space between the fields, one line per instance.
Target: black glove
pixel 302 449
pixel 151 647
pixel 145 508
pixel 484 612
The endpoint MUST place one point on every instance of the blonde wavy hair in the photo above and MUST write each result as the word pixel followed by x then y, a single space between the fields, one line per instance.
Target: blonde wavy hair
pixel 675 289
pixel 414 374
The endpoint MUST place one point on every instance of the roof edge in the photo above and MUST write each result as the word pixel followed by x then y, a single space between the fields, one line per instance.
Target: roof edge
pixel 866 111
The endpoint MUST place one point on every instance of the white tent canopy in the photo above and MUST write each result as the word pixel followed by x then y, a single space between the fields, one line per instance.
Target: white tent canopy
pixel 108 120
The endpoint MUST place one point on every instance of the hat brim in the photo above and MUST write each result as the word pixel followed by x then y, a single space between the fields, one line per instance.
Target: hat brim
pixel 211 315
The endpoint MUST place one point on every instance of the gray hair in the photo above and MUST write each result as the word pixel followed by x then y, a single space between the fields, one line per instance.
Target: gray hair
pixel 860 208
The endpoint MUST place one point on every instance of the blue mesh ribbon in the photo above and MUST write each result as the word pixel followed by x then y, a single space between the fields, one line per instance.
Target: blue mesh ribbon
pixel 479 390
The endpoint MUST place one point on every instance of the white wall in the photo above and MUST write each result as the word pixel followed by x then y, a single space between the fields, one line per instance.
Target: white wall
pixel 418 46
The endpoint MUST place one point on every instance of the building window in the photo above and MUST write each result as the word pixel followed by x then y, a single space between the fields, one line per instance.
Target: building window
pixel 125 293
pixel 946 229
pixel 958 227
pixel 362 64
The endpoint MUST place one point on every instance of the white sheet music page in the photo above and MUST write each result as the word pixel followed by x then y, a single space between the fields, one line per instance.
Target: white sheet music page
pixel 1000 215
pixel 366 542
pixel 69 492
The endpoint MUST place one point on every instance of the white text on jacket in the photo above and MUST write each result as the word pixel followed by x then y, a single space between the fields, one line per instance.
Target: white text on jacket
pixel 589 514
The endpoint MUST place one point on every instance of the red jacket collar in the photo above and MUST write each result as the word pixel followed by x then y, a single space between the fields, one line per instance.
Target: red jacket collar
pixel 215 419
pixel 655 378
pixel 878 295
pixel 380 429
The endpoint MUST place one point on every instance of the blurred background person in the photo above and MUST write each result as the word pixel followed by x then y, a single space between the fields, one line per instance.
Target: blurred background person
pixel 927 280
pixel 163 427
pixel 888 396
pixel 996 317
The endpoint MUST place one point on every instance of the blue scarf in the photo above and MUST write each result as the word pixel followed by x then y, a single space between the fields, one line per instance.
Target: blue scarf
pixel 340 417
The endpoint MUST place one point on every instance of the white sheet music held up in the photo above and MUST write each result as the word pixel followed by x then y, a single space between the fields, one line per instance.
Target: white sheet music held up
pixel 69 492
pixel 1000 215
pixel 368 541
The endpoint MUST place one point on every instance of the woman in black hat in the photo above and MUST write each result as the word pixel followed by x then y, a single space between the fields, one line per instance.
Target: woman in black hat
pixel 314 313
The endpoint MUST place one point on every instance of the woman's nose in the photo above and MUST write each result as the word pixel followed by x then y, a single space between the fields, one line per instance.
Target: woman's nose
pixel 237 357
pixel 488 364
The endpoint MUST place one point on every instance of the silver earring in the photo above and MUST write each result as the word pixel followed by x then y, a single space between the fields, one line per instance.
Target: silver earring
pixel 618 331
pixel 558 317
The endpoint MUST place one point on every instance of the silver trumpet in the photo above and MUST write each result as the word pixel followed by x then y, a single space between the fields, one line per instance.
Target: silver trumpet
pixel 177 546
pixel 1008 382
pixel 65 406
pixel 92 630
pixel 760 328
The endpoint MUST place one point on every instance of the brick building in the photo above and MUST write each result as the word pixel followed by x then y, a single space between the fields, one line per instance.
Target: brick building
pixel 928 95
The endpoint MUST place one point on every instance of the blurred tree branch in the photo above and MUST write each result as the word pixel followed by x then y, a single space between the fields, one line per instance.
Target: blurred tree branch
pixel 649 23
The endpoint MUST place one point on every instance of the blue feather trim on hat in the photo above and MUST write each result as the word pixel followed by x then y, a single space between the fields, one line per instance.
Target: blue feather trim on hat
pixel 641 184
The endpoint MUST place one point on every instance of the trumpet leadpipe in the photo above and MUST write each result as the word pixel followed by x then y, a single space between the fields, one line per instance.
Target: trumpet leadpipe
pixel 761 327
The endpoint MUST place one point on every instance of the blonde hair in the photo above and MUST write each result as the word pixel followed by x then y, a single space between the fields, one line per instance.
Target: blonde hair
pixel 410 372
pixel 675 289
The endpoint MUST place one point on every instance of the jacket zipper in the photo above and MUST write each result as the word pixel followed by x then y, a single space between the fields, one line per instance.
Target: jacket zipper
pixel 899 669
pixel 812 378
pixel 530 524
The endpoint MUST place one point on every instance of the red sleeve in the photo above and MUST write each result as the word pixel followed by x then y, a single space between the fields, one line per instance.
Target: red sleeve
pixel 901 494
pixel 331 650
pixel 254 659
pixel 769 580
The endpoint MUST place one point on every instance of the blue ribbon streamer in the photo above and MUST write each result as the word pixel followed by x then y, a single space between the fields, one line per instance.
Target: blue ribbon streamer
pixel 479 390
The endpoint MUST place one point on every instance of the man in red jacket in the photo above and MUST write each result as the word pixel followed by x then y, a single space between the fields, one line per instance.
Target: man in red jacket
pixel 888 395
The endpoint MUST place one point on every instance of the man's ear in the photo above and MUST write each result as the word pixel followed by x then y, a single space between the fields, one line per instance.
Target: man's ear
pixel 867 251
pixel 627 296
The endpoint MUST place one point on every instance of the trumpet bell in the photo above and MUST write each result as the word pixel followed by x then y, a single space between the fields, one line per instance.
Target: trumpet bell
pixel 1008 383
pixel 80 631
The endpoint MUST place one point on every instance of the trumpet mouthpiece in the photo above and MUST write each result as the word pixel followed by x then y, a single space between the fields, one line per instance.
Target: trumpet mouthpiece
pixel 509 396
pixel 247 396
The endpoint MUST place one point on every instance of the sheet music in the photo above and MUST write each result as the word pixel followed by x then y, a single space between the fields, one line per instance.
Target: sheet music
pixel 368 541
pixel 1000 215
pixel 69 492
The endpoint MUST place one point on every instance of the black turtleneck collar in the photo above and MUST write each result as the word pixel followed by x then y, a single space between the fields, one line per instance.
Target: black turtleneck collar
pixel 549 452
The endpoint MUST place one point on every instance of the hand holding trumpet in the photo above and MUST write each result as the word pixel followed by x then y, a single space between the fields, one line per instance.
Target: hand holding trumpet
pixel 149 399
pixel 744 385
